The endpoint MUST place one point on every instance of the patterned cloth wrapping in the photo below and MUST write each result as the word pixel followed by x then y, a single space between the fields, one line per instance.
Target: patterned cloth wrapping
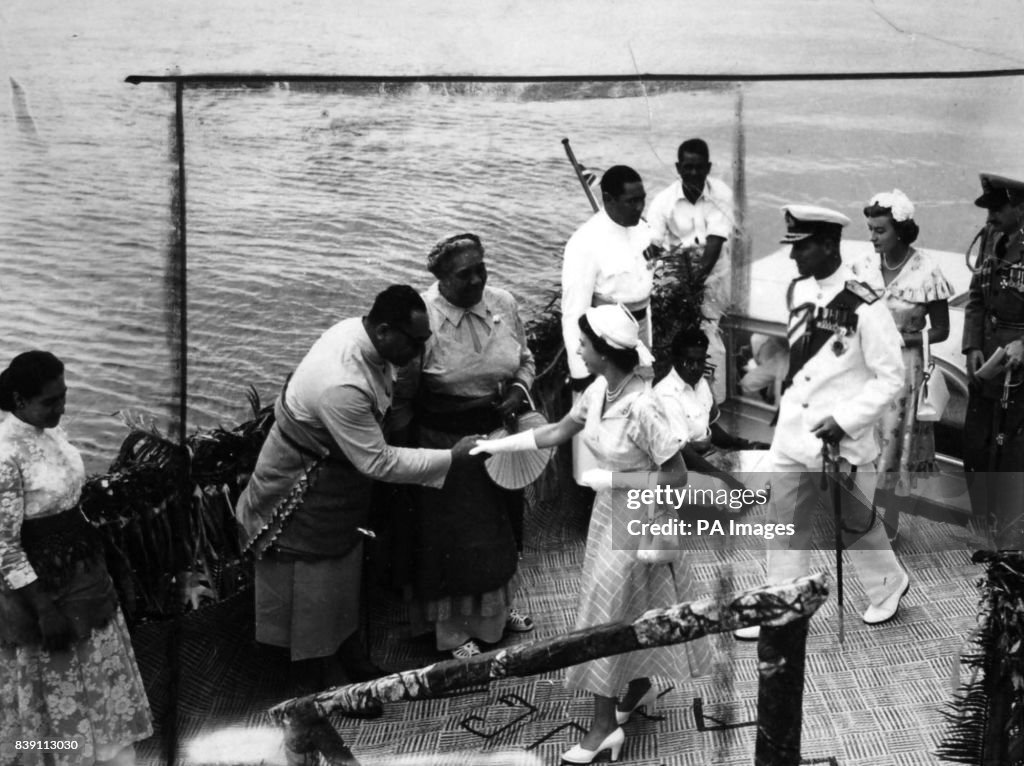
pixel 64 551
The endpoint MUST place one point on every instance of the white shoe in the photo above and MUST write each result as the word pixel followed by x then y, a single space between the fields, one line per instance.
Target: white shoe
pixel 646 702
pixel 753 633
pixel 612 742
pixel 876 615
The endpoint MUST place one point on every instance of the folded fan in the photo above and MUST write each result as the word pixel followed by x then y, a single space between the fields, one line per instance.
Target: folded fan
pixel 515 470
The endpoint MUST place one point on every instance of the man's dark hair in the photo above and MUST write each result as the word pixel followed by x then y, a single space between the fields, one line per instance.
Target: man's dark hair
pixel 615 178
pixel 395 305
pixel 694 146
pixel 688 337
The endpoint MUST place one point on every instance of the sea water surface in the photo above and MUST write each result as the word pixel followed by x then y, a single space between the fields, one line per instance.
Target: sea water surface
pixel 304 201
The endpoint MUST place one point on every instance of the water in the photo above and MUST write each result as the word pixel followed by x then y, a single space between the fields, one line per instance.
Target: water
pixel 304 202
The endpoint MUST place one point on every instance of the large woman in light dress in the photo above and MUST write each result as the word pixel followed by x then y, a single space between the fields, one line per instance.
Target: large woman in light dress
pixel 473 376
pixel 624 425
pixel 917 294
pixel 67 670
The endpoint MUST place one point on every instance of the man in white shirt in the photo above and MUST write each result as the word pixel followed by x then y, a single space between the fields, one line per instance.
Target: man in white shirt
pixel 686 398
pixel 845 368
pixel 606 262
pixel 693 218
pixel 690 405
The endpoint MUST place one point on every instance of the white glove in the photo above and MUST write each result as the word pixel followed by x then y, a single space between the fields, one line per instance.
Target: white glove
pixel 520 442
pixel 597 479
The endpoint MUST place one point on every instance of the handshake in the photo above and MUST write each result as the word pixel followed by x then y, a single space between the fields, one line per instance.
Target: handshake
pixel 480 447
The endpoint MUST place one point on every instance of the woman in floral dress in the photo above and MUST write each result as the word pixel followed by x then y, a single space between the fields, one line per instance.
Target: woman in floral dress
pixel 68 677
pixel 625 427
pixel 917 294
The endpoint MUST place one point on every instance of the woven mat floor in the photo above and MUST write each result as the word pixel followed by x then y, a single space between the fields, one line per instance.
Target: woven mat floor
pixel 874 700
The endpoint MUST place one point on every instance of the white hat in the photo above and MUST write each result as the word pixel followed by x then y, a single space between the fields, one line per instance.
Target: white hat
pixel 803 221
pixel 615 325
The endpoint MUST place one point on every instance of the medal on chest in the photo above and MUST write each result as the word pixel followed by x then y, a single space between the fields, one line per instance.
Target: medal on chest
pixel 841 322
pixel 1012 278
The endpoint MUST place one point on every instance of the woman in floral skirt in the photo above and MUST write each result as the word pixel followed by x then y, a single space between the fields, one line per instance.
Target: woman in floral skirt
pixel 68 678
pixel 917 294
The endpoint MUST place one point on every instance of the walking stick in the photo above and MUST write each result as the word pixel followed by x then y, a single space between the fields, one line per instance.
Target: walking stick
pixel 579 174
pixel 830 459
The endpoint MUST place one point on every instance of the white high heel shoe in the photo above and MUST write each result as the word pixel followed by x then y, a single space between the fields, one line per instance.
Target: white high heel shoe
pixel 612 742
pixel 647 701
pixel 876 615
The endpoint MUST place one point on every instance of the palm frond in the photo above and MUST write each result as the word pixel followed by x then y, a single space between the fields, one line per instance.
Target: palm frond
pixel 986 717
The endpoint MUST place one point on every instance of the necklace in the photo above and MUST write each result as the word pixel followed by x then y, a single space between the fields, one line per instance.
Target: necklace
pixel 611 395
pixel 898 266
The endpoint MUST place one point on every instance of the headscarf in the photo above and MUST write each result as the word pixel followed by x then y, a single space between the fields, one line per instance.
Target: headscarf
pixel 448 247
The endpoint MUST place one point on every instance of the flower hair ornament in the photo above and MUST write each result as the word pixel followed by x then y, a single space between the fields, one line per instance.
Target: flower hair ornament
pixel 897 202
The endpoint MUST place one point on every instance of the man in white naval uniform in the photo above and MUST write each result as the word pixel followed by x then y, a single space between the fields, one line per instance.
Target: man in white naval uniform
pixel 606 262
pixel 845 368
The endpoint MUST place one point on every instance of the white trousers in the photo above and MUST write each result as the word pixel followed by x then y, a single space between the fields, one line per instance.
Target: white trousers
pixel 796 490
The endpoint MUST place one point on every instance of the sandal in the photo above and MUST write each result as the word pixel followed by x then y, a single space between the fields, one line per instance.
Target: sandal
pixel 469 649
pixel 518 622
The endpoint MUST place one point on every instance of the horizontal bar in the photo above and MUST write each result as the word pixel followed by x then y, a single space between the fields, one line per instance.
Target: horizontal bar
pixel 248 79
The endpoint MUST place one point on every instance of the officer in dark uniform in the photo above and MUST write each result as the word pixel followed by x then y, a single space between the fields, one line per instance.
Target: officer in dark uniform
pixel 993 320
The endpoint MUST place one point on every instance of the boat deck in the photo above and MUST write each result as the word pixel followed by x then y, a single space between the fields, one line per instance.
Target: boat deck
pixel 877 699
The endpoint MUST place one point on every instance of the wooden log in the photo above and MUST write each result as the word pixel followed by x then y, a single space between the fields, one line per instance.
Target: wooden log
pixel 308 735
pixel 780 693
pixel 773 606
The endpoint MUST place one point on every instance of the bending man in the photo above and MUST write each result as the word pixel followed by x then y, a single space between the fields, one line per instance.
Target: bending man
pixel 305 509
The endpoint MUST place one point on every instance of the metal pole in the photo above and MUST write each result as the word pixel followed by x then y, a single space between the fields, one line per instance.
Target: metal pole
pixel 182 266
pixel 741 245
pixel 830 461
pixel 180 510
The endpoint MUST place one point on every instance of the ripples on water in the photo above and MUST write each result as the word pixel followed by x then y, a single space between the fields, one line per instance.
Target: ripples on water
pixel 304 202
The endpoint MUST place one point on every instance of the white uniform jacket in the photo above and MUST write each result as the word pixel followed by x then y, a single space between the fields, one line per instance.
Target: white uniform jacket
pixel 604 263
pixel 854 386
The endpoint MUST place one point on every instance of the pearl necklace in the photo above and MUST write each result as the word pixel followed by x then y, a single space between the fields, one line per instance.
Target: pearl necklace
pixel 898 266
pixel 611 396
